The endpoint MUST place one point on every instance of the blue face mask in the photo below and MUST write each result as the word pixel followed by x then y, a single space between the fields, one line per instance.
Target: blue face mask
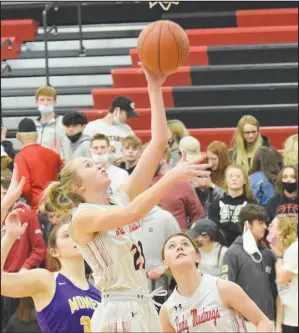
pixel 45 109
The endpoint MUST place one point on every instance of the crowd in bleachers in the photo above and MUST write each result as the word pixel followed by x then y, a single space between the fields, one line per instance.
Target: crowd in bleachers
pixel 243 216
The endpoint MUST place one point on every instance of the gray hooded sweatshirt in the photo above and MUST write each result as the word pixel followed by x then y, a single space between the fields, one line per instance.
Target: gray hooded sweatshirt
pixel 256 279
pixel 81 148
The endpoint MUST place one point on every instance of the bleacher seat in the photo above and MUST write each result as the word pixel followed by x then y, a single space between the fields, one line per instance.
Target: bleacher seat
pixel 7 52
pixel 22 30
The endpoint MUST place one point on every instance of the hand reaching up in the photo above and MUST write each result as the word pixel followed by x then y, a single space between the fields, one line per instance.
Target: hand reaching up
pixel 153 79
pixel 15 188
pixel 14 228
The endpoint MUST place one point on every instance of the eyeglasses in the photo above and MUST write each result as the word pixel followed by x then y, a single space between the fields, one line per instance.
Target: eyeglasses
pixel 251 132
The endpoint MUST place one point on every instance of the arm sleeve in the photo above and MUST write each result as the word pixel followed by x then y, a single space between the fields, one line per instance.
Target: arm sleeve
pixel 23 171
pixel 214 212
pixel 38 247
pixel 229 269
pixel 194 209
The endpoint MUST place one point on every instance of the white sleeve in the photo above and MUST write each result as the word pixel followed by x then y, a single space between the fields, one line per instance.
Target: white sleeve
pixel 290 258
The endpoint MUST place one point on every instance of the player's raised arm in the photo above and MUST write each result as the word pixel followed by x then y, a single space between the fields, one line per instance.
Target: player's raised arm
pixel 147 165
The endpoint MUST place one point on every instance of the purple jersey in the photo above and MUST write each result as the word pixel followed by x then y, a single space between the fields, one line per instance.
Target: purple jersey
pixel 71 308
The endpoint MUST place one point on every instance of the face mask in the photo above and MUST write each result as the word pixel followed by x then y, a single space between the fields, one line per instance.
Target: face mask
pixel 290 187
pixel 45 109
pixel 74 138
pixel 171 142
pixel 250 245
pixel 272 239
pixel 116 118
pixel 102 159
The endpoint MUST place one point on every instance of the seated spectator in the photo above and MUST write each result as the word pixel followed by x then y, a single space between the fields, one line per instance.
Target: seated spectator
pixel 267 163
pixel 156 227
pixel 225 211
pixel 182 202
pixel 114 124
pixel 49 126
pixel 247 141
pixel 211 188
pixel 286 199
pixel 284 244
pixel 211 246
pixel 250 264
pixel 131 152
pixel 176 131
pixel 39 165
pixel 24 319
pixel 74 124
pixel 99 146
pixel 290 151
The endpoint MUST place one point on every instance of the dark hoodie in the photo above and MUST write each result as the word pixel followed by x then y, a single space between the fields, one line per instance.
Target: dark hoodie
pixel 281 204
pixel 256 279
pixel 225 213
pixel 81 148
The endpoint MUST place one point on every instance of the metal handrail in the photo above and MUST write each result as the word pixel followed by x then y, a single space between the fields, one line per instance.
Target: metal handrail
pixel 82 50
pixel 46 32
pixel 7 41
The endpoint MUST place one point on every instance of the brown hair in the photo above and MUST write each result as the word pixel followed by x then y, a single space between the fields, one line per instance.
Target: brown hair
pixel 195 246
pixel 53 264
pixel 46 91
pixel 246 189
pixel 269 161
pixel 167 154
pixel 132 141
pixel 26 310
pixel 288 226
pixel 219 149
pixel 99 136
pixel 279 186
pixel 240 145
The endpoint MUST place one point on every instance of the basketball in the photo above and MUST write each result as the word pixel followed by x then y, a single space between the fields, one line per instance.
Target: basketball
pixel 163 46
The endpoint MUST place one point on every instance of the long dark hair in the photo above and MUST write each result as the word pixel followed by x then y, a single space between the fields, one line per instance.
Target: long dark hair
pixel 269 161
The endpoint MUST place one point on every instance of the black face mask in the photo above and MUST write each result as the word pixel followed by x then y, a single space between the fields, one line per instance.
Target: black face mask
pixel 289 187
pixel 74 138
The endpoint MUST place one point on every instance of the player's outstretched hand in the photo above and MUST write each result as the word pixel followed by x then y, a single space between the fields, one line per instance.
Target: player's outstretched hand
pixel 15 188
pixel 153 79
pixel 187 171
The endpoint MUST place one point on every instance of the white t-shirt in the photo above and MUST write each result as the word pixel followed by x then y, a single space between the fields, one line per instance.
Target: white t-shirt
pixel 211 262
pixel 117 176
pixel 115 133
pixel 289 293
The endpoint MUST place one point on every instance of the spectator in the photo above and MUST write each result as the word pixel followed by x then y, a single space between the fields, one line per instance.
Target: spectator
pixel 6 161
pixel 182 202
pixel 6 145
pixel 24 319
pixel 284 244
pixel 156 227
pixel 74 124
pixel 290 151
pixel 225 211
pixel 176 131
pixel 114 124
pixel 49 126
pixel 286 199
pixel 250 264
pixel 131 152
pixel 99 146
pixel 210 189
pixel 267 163
pixel 247 141
pixel 39 165
pixel 211 246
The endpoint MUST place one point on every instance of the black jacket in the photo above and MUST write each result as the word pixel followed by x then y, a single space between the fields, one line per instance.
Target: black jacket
pixel 225 213
pixel 256 279
pixel 281 204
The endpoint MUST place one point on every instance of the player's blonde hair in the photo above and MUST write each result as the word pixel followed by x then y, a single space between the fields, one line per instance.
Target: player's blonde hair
pixel 246 188
pixel 46 91
pixel 290 151
pixel 288 225
pixel 178 129
pixel 240 149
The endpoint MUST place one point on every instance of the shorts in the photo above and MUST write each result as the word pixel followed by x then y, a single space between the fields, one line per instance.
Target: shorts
pixel 127 311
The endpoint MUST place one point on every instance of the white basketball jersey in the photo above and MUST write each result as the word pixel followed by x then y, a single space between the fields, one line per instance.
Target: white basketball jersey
pixel 116 256
pixel 204 311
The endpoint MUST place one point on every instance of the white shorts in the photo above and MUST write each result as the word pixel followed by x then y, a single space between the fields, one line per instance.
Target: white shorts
pixel 126 311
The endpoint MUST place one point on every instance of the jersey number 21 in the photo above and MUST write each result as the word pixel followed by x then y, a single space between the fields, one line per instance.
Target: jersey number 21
pixel 138 256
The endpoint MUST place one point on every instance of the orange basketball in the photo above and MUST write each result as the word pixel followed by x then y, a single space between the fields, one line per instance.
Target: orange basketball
pixel 163 46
